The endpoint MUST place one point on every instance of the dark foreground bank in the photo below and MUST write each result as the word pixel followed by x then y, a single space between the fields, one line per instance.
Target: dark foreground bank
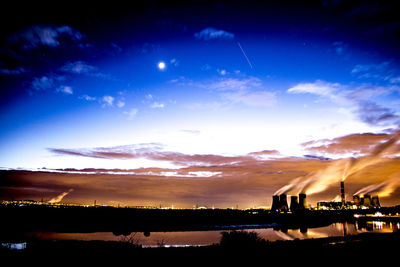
pixel 234 246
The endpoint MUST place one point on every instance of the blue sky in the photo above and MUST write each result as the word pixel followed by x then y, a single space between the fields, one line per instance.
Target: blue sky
pixel 240 77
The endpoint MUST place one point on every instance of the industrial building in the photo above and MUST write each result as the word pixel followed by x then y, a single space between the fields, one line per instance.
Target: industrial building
pixel 298 203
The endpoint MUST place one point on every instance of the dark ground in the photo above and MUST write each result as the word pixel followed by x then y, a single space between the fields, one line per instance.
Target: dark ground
pixel 235 247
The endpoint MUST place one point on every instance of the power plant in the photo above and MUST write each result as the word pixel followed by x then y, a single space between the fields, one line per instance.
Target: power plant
pixel 299 203
pixel 280 204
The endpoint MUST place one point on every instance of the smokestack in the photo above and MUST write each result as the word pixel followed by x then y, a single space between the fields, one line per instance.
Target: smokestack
pixel 342 193
pixel 302 201
pixel 356 200
pixel 275 203
pixel 294 204
pixel 283 203
pixel 375 202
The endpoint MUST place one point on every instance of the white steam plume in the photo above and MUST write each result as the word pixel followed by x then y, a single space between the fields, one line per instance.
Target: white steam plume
pixel 60 196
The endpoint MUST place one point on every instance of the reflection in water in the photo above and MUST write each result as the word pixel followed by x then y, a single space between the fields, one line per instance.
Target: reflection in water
pixel 199 238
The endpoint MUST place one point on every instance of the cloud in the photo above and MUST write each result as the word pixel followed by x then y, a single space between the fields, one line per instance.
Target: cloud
pixel 107 100
pixel 120 103
pixel 355 144
pixel 340 47
pixel 356 96
pixel 213 34
pixel 217 180
pixel 78 67
pixel 374 114
pixel 382 72
pixel 151 152
pixel 36 36
pixel 322 89
pixel 157 105
pixel 81 67
pixel 47 82
pixel 65 89
pixel 131 113
pixel 88 98
pixel 12 72
pixel 256 99
pixel 248 91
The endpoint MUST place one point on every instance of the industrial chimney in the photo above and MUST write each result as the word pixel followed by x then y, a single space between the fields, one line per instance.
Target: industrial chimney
pixel 302 201
pixel 342 193
pixel 283 203
pixel 294 204
pixel 275 203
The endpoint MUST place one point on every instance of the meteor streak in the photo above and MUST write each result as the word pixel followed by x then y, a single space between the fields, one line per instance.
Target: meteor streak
pixel 244 54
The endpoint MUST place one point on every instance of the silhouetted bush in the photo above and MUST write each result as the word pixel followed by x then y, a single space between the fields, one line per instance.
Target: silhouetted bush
pixel 241 239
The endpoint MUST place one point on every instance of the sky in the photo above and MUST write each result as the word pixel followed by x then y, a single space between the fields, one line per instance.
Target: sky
pixel 214 103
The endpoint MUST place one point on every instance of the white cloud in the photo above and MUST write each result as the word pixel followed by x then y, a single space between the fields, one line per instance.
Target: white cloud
pixel 88 98
pixel 108 100
pixel 358 97
pixel 322 89
pixel 157 105
pixel 65 89
pixel 120 104
pixel 222 72
pixel 131 113
pixel 257 99
pixel 248 91
pixel 212 34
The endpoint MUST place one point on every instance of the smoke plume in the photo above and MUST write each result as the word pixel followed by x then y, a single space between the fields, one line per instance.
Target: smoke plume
pixel 384 189
pixel 340 170
pixel 60 196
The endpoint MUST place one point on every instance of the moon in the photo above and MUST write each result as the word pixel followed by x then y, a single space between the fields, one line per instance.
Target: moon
pixel 161 65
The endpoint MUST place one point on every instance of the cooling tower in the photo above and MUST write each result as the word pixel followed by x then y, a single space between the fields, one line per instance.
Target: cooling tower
pixel 375 202
pixel 275 203
pixel 294 204
pixel 283 203
pixel 356 200
pixel 366 201
pixel 302 201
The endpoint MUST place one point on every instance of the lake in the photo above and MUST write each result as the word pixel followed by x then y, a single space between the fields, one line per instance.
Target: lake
pixel 201 238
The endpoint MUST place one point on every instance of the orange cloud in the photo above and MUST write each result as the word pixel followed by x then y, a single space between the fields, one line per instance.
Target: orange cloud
pixel 213 180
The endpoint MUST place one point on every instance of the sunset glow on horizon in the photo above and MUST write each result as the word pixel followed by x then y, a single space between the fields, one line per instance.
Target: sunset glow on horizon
pixel 216 104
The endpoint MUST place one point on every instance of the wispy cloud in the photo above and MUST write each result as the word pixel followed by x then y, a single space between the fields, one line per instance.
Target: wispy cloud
pixel 49 82
pixel 248 91
pixel 213 34
pixel 65 89
pixel 36 36
pixel 374 114
pixel 157 105
pixel 340 47
pixel 131 114
pixel 78 67
pixel 81 67
pixel 12 71
pixel 354 96
pixel 381 72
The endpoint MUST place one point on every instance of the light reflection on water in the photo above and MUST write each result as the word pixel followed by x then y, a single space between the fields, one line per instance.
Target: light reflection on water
pixel 198 238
